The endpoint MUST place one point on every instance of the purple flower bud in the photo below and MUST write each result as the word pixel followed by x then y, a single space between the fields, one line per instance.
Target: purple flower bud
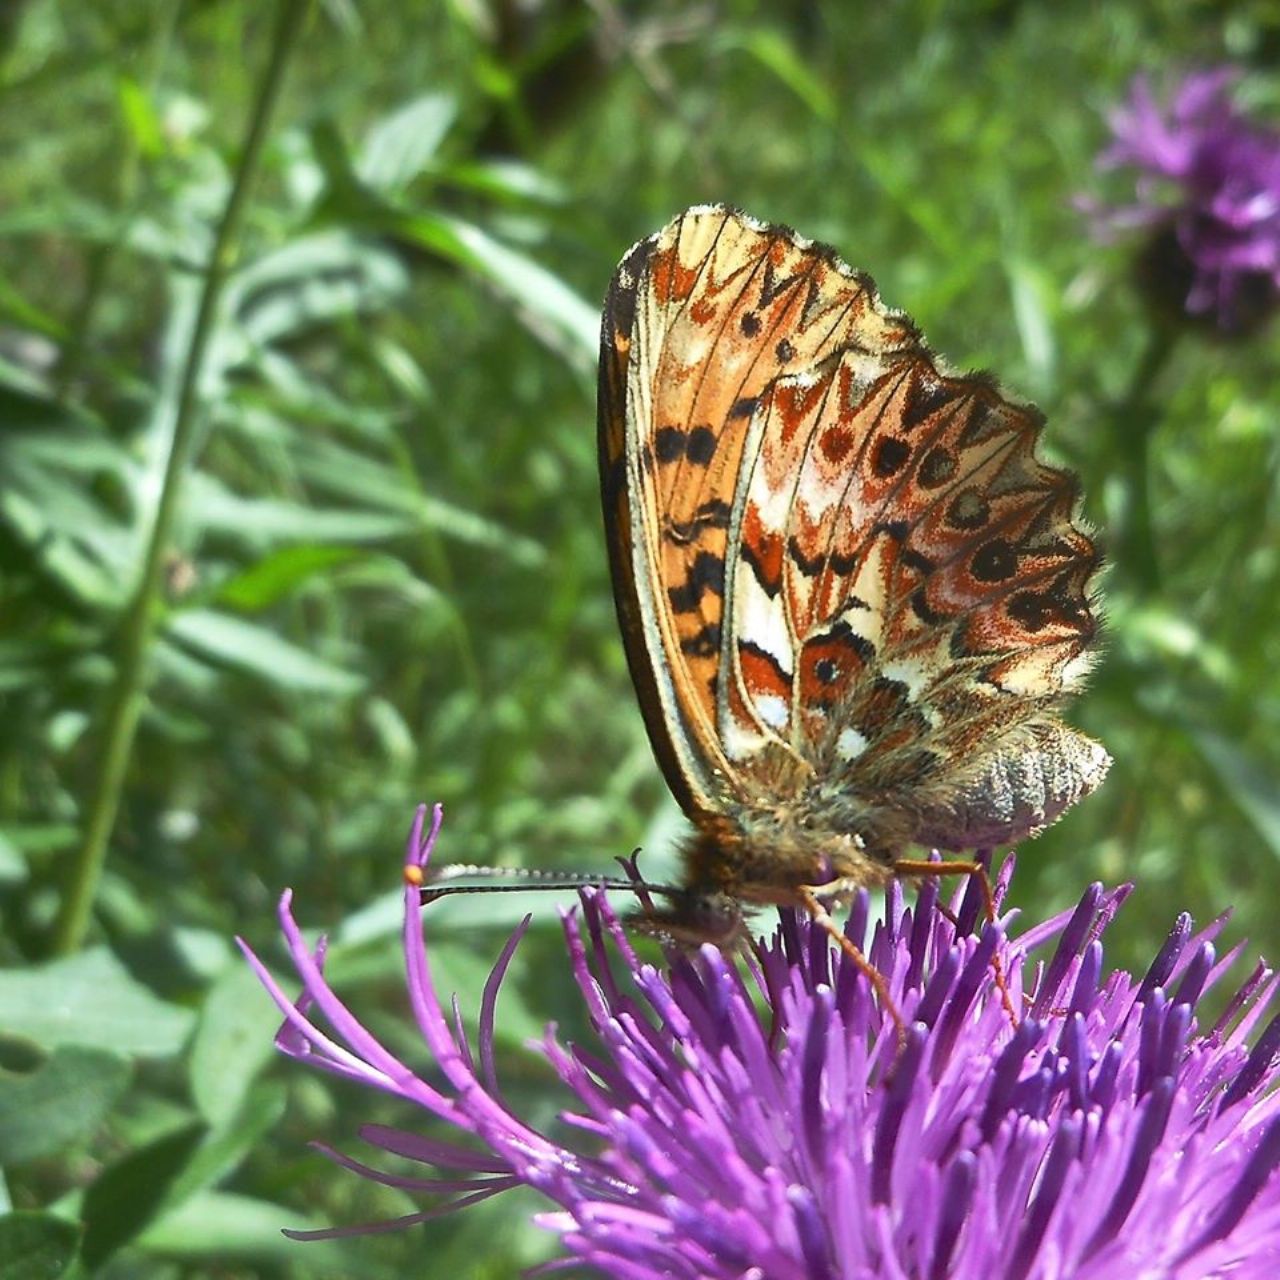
pixel 1208 190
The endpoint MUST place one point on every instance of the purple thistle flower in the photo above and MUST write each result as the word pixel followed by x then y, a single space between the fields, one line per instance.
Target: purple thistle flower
pixel 1208 185
pixel 1107 1136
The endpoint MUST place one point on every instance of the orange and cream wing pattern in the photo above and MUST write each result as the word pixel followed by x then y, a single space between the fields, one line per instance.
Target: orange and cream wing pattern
pixel 699 322
pixel 835 563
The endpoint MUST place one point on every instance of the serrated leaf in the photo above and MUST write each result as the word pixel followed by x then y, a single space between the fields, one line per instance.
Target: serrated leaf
pixel 233 1042
pixel 90 999
pixel 62 1103
pixel 259 651
pixel 129 1193
pixel 36 1246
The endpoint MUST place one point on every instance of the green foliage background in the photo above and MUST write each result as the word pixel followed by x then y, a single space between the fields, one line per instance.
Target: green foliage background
pixel 386 582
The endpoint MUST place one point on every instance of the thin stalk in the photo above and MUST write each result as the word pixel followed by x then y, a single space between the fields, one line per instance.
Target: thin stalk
pixel 128 692
pixel 1133 422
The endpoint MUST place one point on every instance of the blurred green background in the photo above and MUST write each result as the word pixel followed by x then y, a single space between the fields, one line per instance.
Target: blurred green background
pixel 385 580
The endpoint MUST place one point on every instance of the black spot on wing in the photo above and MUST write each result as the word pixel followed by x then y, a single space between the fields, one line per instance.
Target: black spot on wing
pixel 920 607
pixel 700 445
pixel 889 456
pixel 668 444
pixel 913 559
pixel 994 561
pixel 706 573
pixel 937 468
pixel 705 644
pixel 671 444
pixel 968 510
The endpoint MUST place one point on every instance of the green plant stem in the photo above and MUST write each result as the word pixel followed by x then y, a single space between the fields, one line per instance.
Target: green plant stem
pixel 1133 422
pixel 128 692
pixel 102 256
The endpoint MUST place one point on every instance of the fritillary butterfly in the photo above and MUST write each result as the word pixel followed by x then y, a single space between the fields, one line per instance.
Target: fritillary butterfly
pixel 852 597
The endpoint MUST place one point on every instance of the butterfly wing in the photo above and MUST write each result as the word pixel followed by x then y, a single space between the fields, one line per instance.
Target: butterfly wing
pixel 840 570
pixel 926 602
pixel 699 321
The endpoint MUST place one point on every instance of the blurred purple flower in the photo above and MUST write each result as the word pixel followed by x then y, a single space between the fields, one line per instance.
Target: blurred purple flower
pixel 1108 1136
pixel 1208 185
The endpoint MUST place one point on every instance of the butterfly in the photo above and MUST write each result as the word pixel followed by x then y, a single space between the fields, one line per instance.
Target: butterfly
pixel 852 598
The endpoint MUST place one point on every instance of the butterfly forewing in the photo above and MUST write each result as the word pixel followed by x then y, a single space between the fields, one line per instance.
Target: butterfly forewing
pixel 847 585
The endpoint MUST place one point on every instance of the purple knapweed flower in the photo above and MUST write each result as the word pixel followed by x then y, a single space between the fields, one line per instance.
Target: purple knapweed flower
pixel 1208 187
pixel 765 1121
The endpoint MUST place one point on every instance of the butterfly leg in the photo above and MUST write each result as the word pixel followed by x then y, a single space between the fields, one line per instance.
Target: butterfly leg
pixel 976 871
pixel 822 918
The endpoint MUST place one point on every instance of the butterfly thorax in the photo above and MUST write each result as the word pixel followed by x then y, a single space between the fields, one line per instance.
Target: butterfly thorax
pixel 762 854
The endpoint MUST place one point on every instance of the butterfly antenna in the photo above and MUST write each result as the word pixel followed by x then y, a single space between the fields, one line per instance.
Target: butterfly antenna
pixel 520 880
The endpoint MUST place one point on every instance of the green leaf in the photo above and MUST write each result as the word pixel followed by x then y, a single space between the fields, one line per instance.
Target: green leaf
pixel 775 53
pixel 90 999
pixel 349 473
pixel 223 1150
pixel 140 117
pixel 543 297
pixel 13 866
pixel 310 281
pixel 233 1042
pixel 259 651
pixel 130 1193
pixel 278 575
pixel 36 1246
pixel 400 145
pixel 1254 788
pixel 218 1225
pixel 1032 290
pixel 60 1104
pixel 262 522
